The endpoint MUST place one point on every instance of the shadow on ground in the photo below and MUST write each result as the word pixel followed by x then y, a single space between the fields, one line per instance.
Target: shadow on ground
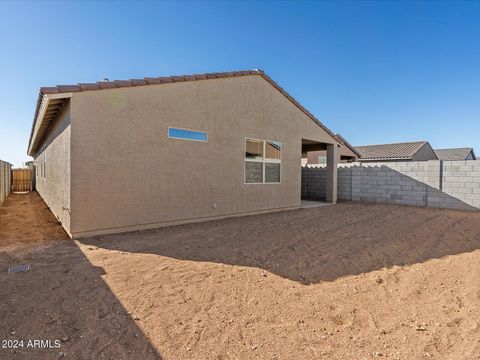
pixel 313 245
pixel 63 297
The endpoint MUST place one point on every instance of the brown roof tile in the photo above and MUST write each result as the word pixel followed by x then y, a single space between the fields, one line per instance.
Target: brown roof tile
pixel 161 80
pixel 68 88
pixel 48 90
pixel 166 79
pixel 152 81
pixel 347 144
pixel 122 83
pixel 89 86
pixel 454 154
pixel 107 84
pixel 400 151
pixel 139 82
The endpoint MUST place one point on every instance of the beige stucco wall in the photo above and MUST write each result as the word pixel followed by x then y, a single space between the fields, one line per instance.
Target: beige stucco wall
pixel 425 153
pixel 127 174
pixel 312 156
pixel 54 188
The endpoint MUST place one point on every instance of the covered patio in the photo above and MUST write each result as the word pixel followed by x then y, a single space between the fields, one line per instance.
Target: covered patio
pixel 330 180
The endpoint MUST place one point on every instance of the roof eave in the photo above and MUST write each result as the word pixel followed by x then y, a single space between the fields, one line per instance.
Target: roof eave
pixel 348 145
pixel 44 104
pixel 65 91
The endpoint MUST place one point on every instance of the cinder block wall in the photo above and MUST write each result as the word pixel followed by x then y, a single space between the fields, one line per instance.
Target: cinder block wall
pixel 5 180
pixel 461 181
pixel 453 185
pixel 314 182
pixel 404 183
pixel 344 182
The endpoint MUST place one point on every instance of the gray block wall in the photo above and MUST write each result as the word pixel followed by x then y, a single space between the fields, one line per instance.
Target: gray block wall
pixel 461 181
pixel 314 182
pixel 404 183
pixel 344 182
pixel 449 184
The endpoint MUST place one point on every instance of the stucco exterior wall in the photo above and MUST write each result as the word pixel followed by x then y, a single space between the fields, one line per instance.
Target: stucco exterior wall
pixel 425 153
pixel 312 156
pixel 127 174
pixel 54 186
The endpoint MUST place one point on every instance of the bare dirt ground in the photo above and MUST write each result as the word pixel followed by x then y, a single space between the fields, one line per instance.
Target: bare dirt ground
pixel 25 220
pixel 351 281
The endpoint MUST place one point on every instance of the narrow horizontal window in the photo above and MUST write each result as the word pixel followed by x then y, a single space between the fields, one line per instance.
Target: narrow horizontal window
pixel 184 134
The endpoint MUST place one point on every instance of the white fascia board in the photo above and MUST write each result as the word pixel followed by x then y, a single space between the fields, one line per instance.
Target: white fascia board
pixel 41 113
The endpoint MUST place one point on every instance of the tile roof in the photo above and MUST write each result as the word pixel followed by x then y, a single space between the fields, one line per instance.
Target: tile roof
pixel 454 154
pixel 100 85
pixel 348 145
pixel 399 151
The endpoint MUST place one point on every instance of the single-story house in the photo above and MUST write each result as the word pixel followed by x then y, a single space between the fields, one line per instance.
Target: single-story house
pixel 406 151
pixel 117 156
pixel 455 154
pixel 346 153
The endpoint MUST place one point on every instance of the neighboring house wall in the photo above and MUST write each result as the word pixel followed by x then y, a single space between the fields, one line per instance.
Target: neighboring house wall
pixel 313 156
pixel 52 167
pixel 425 153
pixel 440 184
pixel 126 173
pixel 5 180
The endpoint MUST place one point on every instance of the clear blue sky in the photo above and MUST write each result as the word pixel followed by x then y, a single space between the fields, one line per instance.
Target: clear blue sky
pixel 375 72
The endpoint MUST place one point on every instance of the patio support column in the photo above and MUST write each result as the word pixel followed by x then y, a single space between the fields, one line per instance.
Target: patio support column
pixel 332 159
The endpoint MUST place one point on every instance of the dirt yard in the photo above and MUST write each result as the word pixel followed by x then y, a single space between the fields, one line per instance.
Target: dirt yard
pixel 351 281
pixel 25 220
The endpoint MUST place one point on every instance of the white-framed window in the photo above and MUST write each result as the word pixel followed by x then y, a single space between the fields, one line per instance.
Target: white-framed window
pixel 263 161
pixel 41 164
pixel 185 134
pixel 44 163
pixel 322 160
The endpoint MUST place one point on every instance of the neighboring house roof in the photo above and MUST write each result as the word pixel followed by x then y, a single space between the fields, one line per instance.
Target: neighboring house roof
pixel 51 99
pixel 348 145
pixel 399 151
pixel 455 154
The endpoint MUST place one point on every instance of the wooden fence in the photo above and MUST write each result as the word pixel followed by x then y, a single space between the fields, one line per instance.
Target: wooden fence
pixel 22 179
pixel 5 180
